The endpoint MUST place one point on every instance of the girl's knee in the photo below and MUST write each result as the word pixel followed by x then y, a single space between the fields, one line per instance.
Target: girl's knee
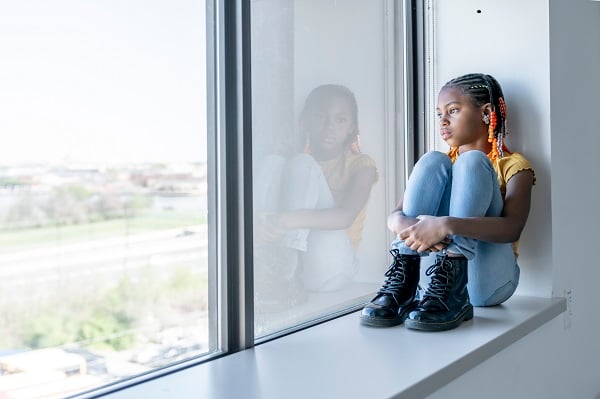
pixel 435 158
pixel 472 159
pixel 433 163
pixel 302 161
pixel 269 167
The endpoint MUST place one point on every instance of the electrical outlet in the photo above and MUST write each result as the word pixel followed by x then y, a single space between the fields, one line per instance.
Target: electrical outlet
pixel 568 316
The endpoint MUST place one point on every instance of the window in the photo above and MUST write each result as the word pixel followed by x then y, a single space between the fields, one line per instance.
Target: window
pixel 327 89
pixel 104 221
pixel 127 242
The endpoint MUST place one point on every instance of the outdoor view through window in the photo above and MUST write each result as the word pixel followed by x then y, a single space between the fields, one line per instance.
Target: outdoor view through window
pixel 103 191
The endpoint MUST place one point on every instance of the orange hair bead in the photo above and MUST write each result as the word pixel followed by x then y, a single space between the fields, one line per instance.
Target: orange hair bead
pixel 493 155
pixel 492 128
pixel 453 153
pixel 355 145
pixel 502 107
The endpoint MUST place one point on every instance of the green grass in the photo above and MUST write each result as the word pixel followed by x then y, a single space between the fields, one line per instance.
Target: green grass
pixel 105 316
pixel 18 239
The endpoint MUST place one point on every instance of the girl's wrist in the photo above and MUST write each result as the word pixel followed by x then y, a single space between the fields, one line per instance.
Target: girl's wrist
pixel 284 221
pixel 448 226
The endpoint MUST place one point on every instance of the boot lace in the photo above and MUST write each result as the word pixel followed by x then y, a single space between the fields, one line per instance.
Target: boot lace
pixel 395 276
pixel 441 281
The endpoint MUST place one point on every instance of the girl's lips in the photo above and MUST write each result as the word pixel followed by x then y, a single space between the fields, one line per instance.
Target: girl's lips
pixel 446 134
pixel 328 140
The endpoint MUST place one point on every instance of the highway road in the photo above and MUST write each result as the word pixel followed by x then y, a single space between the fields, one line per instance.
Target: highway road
pixel 106 258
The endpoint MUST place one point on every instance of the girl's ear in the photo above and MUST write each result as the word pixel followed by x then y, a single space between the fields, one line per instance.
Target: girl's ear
pixel 355 144
pixel 487 109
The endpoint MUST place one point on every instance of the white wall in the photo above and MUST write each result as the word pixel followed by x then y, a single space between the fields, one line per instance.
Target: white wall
pixel 562 358
pixel 509 46
pixel 575 111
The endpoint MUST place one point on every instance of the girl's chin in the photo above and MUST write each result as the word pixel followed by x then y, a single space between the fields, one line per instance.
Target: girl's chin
pixel 329 147
pixel 326 153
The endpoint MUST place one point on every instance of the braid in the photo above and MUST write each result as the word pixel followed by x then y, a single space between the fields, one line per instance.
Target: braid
pixel 483 89
pixel 453 153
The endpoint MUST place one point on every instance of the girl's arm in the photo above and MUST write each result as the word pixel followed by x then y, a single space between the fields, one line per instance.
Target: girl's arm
pixel 398 221
pixel 340 217
pixel 429 230
pixel 507 227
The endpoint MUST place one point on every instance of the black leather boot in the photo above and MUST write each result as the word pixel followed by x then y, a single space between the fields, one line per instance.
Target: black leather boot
pixel 445 304
pixel 397 296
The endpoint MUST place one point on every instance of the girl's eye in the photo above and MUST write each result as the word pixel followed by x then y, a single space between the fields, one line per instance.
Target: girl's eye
pixel 340 120
pixel 453 111
pixel 318 117
pixel 438 115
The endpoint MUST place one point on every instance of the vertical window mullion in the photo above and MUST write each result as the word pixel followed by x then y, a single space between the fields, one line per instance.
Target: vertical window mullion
pixel 414 78
pixel 212 87
pixel 238 202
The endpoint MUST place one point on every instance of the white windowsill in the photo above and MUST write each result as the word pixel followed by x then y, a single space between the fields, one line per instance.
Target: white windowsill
pixel 343 359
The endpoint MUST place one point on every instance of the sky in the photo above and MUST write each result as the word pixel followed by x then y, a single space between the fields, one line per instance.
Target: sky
pixel 108 81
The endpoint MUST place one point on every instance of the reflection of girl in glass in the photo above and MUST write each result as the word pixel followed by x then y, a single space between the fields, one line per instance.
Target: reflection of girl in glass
pixel 311 208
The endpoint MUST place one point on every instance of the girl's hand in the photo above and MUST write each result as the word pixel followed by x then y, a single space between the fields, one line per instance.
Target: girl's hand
pixel 267 228
pixel 428 234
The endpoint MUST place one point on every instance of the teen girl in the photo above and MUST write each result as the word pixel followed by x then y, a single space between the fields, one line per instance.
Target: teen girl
pixel 311 208
pixel 468 206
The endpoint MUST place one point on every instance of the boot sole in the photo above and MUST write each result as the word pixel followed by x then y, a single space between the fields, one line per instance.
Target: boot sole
pixel 465 315
pixel 369 321
pixel 381 322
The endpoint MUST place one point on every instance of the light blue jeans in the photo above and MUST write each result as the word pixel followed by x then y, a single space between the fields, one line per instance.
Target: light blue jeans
pixel 467 188
pixel 328 259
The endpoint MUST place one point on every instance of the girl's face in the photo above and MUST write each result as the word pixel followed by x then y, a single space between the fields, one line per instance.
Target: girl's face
pixel 461 121
pixel 330 126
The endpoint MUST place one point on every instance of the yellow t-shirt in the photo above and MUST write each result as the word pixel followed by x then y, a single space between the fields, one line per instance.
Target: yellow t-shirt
pixel 338 172
pixel 507 167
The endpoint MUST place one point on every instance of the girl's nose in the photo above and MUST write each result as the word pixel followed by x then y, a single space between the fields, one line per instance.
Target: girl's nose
pixel 328 123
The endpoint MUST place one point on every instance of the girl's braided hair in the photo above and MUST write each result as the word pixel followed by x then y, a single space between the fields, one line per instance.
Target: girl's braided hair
pixel 483 89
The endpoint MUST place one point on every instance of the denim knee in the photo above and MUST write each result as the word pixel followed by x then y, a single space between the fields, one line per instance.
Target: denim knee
pixel 427 189
pixel 435 158
pixel 303 161
pixel 472 160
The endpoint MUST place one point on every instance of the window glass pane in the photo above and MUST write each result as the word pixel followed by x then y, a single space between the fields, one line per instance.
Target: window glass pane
pixel 103 191
pixel 325 140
